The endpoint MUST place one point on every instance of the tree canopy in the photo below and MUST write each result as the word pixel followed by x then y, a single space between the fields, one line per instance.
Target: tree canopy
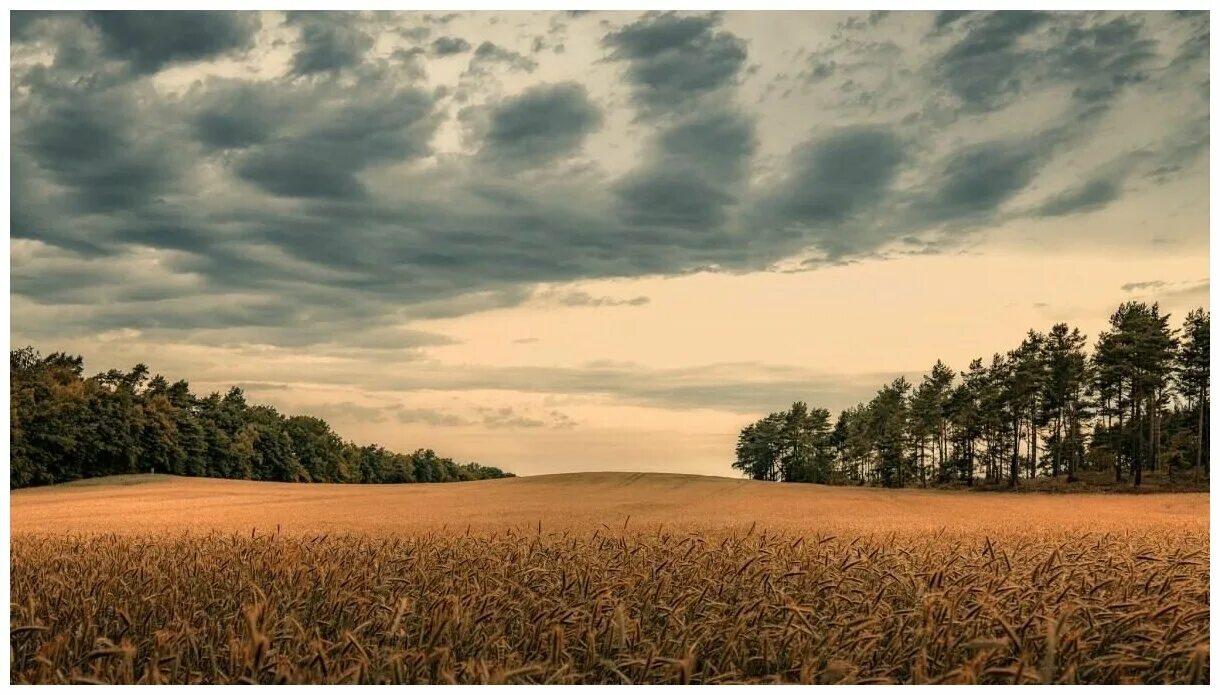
pixel 1045 408
pixel 64 426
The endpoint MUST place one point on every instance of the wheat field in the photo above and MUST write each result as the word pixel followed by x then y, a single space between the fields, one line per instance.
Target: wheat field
pixel 603 578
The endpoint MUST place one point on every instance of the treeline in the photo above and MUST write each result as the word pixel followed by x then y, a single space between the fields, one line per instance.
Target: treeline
pixel 64 426
pixel 1138 402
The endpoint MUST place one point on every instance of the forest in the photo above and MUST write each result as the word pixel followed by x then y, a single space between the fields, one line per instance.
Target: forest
pixel 65 426
pixel 1047 408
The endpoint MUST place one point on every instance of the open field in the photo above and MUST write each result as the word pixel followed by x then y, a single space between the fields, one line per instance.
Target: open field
pixel 603 578
pixel 141 504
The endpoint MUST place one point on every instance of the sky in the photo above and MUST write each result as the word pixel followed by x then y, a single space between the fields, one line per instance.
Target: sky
pixel 558 242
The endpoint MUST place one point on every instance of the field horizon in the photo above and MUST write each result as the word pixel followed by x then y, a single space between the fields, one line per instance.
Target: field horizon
pixel 158 503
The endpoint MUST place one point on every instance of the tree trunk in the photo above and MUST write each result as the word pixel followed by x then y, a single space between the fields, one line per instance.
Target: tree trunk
pixel 1033 449
pixel 1014 465
pixel 944 436
pixel 1118 450
pixel 970 463
pixel 1154 445
pixel 1137 463
pixel 1150 459
pixel 1072 425
pixel 1199 435
pixel 1058 444
pixel 1071 462
pixel 923 467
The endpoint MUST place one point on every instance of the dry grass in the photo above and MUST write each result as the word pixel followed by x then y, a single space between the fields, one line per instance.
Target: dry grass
pixel 872 586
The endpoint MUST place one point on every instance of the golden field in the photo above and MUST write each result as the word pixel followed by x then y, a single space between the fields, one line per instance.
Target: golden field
pixel 603 578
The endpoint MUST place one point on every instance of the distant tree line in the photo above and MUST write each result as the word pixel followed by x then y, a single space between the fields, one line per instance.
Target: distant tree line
pixel 64 426
pixel 1139 402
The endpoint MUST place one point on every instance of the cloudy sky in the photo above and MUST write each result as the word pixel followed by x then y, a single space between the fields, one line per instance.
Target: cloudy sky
pixel 559 242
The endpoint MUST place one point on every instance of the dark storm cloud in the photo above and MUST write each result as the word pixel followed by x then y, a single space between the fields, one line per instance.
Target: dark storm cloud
pixel 329 42
pixel 673 59
pixel 92 143
pixel 322 158
pixel 835 176
pixel 542 124
pixel 1093 195
pixel 691 179
pixel 716 142
pixel 234 115
pixel 305 210
pixel 667 198
pixel 294 172
pixel 979 178
pixel 450 45
pixel 149 40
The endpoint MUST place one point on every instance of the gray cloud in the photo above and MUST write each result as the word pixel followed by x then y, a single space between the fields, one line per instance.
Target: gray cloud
pixel 329 42
pixel 585 299
pixel 693 173
pixel 320 157
pixel 492 418
pixel 948 17
pixel 24 23
pixel 429 416
pixel 836 175
pixel 979 178
pixel 542 124
pixel 284 208
pixel 580 298
pixel 1145 285
pixel 1103 58
pixel 416 33
pixel 441 18
pixel 983 67
pixel 450 45
pixel 734 387
pixel 342 411
pixel 234 115
pixel 1197 291
pixel 1000 55
pixel 507 418
pixel 1092 195
pixel 674 59
pixel 488 52
pixel 149 40
pixel 93 144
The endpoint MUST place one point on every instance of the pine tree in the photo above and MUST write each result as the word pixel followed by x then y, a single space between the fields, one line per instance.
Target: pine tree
pixel 1193 374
